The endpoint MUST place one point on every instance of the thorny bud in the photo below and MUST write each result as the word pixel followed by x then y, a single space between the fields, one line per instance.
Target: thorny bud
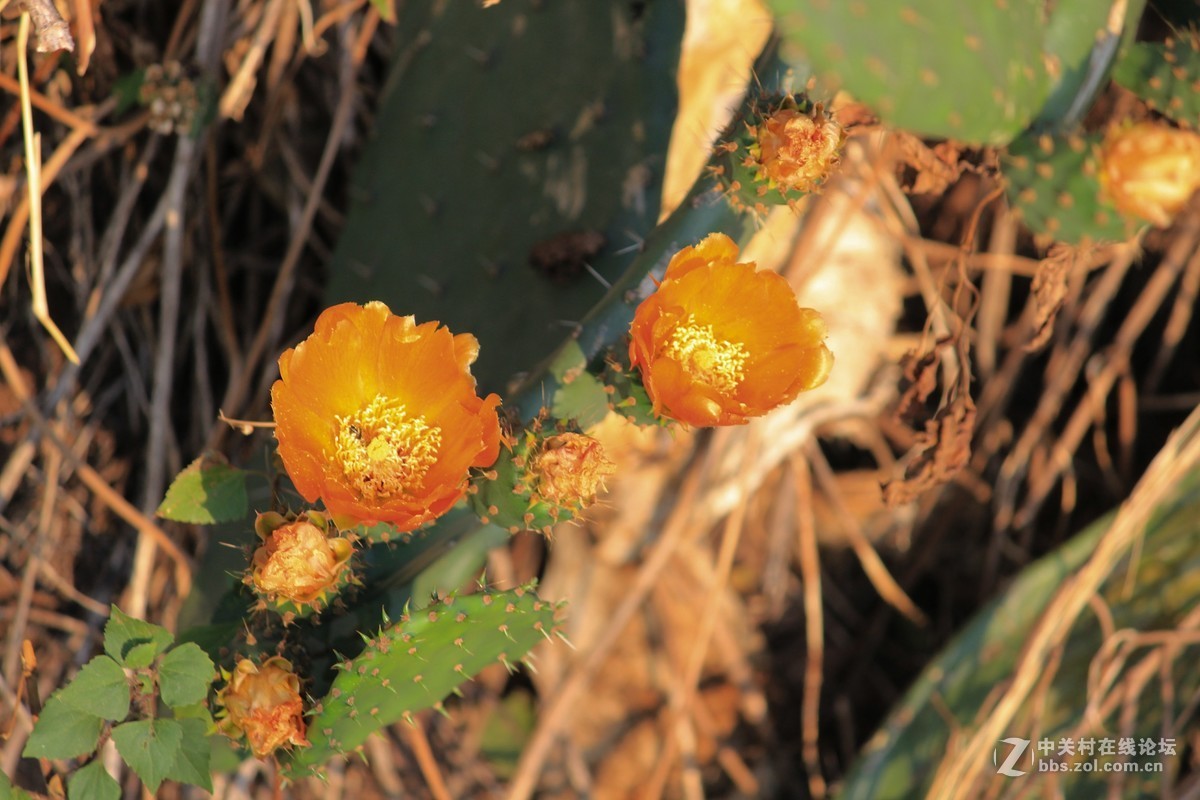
pixel 298 562
pixel 796 151
pixel 570 469
pixel 541 478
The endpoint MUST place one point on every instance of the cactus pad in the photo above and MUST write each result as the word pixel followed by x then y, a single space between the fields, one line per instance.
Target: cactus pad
pixel 1166 76
pixel 969 71
pixel 517 148
pixel 415 662
pixel 1053 184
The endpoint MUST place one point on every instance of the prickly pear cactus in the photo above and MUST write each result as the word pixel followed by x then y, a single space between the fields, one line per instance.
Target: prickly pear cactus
pixel 969 71
pixel 416 662
pixel 515 149
pixel 1053 183
pixel 1166 76
pixel 901 760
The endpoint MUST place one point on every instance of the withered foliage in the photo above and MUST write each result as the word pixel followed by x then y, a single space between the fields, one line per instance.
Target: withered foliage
pixel 944 446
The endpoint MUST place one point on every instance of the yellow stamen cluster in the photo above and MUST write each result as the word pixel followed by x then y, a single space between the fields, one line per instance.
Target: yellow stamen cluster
pixel 383 451
pixel 717 363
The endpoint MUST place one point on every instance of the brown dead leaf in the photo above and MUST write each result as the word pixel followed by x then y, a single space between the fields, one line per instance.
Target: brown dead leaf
pixel 920 375
pixel 1050 290
pixel 936 167
pixel 939 453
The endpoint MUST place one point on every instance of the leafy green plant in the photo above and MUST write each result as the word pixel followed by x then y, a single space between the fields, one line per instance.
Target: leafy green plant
pixel 123 695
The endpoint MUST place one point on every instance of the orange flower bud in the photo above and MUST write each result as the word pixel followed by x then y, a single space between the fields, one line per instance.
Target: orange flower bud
pixel 298 562
pixel 795 151
pixel 263 703
pixel 721 342
pixel 1149 170
pixel 570 469
pixel 378 416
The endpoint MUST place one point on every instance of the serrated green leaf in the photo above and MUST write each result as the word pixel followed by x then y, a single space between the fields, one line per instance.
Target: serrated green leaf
pixel 191 763
pixel 93 783
pixel 184 675
pixel 140 656
pixel 124 634
pixel 63 732
pixel 208 491
pixel 100 689
pixel 150 747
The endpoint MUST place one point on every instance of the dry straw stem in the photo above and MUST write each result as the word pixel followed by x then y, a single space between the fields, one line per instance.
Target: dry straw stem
pixel 958 775
pixel 414 736
pixel 242 384
pixel 556 715
pixel 33 167
pixel 814 626
pixel 91 478
pixel 1115 365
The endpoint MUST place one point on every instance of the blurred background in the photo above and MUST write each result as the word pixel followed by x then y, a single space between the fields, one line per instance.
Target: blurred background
pixel 746 606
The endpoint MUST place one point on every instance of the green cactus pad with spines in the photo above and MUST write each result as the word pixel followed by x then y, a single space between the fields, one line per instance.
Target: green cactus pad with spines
pixel 515 147
pixel 1166 76
pixel 1155 594
pixel 1053 184
pixel 417 661
pixel 969 71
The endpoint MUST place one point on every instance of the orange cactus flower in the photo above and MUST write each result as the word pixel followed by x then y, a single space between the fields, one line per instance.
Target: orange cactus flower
pixel 378 416
pixel 1150 171
pixel 263 703
pixel 721 342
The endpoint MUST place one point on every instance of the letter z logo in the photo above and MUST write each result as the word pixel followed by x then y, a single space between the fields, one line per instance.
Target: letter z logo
pixel 1018 748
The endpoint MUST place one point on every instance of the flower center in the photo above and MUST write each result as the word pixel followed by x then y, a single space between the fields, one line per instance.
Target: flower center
pixel 717 363
pixel 383 451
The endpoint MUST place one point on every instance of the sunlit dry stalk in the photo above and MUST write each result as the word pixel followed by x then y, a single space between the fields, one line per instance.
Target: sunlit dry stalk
pixel 814 626
pixel 33 166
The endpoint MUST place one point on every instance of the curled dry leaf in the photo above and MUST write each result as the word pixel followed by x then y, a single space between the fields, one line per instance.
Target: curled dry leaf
pixel 944 447
pixel 1050 290
pixel 920 375
pixel 936 167
pixel 939 452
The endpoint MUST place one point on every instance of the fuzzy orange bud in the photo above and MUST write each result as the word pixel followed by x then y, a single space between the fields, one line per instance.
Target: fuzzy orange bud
pixel 298 562
pixel 263 703
pixel 795 151
pixel 1149 170
pixel 570 469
